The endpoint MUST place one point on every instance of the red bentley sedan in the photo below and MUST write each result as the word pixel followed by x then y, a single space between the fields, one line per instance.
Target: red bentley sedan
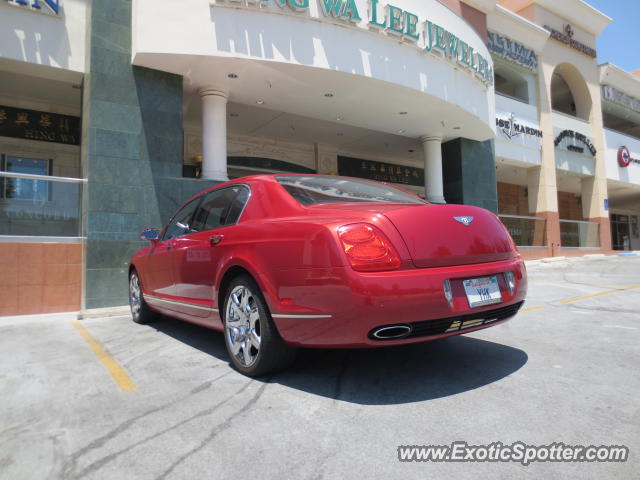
pixel 285 261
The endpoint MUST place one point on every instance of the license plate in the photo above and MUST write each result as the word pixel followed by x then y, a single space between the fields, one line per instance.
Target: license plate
pixel 482 291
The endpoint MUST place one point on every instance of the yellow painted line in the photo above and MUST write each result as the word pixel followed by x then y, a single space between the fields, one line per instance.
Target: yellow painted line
pixel 531 309
pixel 599 294
pixel 117 372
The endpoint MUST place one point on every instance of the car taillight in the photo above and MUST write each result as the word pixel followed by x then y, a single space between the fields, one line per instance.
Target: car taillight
pixel 367 248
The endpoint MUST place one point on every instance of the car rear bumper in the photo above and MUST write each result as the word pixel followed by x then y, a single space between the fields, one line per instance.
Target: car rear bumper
pixel 338 307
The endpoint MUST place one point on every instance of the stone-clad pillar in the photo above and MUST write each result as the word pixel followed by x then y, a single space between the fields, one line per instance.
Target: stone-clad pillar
pixel 131 153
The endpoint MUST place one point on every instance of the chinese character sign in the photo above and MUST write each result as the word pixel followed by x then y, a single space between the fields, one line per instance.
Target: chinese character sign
pixel 41 126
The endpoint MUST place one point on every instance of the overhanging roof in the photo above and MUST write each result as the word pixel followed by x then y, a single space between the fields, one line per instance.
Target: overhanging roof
pixel 620 79
pixel 577 12
pixel 505 22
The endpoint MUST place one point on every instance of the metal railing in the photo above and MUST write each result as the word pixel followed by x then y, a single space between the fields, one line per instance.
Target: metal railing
pixel 40 205
pixel 579 234
pixel 526 231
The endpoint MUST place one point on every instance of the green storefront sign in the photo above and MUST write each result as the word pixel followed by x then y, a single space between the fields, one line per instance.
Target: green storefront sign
pixel 427 35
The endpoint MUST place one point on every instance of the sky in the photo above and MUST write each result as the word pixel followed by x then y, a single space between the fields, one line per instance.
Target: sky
pixel 619 42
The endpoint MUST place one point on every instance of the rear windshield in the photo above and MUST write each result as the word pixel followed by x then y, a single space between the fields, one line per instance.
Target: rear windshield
pixel 312 190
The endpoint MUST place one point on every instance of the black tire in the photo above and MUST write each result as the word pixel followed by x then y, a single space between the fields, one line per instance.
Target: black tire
pixel 140 311
pixel 246 318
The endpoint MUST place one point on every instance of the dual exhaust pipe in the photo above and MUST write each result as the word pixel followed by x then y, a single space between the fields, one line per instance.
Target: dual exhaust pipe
pixel 391 332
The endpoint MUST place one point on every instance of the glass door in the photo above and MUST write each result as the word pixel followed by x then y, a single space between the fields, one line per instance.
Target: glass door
pixel 620 232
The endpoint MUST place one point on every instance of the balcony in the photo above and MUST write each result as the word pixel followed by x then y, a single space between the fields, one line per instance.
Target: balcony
pixel 521 109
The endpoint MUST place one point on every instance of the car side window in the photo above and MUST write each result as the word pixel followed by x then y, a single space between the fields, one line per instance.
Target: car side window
pixel 217 208
pixel 237 206
pixel 181 223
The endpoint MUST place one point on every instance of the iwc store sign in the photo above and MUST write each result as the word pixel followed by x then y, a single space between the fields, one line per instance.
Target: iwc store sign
pixel 567 38
pixel 625 159
pixel 510 128
pixel 44 6
pixel 575 142
pixel 394 21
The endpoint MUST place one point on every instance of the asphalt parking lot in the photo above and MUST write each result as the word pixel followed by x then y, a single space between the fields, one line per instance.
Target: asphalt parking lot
pixel 107 398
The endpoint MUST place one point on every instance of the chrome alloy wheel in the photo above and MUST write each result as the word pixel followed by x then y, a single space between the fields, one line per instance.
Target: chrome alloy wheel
pixel 242 325
pixel 135 295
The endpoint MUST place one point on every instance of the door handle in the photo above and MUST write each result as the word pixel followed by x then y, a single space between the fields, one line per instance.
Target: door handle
pixel 215 239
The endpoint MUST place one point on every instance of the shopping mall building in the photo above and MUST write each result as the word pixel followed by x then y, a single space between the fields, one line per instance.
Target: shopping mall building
pixel 113 112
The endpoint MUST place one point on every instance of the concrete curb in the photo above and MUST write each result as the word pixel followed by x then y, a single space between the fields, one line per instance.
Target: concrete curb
pixel 553 259
pixel 31 317
pixel 123 311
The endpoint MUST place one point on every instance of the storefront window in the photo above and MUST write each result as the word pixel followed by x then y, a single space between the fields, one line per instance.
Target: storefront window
pixel 23 188
pixel 526 231
pixel 40 206
pixel 579 234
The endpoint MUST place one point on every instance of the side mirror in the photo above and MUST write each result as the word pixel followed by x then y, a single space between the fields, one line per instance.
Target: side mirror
pixel 150 234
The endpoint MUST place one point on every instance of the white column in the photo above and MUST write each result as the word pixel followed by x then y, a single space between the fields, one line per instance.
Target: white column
pixel 432 149
pixel 214 133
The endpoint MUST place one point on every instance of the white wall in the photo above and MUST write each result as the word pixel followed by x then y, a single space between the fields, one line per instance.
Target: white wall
pixel 184 37
pixel 581 163
pixel 43 39
pixel 521 148
pixel 614 141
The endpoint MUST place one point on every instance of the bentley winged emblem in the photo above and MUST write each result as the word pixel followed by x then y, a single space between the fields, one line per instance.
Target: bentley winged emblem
pixel 466 221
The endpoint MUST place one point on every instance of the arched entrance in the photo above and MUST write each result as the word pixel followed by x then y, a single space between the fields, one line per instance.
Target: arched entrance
pixel 569 92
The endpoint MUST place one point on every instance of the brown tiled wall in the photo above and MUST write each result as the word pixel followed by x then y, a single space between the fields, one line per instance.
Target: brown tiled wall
pixel 569 206
pixel 40 277
pixel 512 199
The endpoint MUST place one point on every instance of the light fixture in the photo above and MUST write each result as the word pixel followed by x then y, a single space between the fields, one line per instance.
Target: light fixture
pixel 403 113
pixel 448 293
pixel 510 278
pixel 232 75
pixel 260 101
pixel 328 95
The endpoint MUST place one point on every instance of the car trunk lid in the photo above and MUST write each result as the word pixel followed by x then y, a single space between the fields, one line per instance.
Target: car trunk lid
pixel 439 235
pixel 448 235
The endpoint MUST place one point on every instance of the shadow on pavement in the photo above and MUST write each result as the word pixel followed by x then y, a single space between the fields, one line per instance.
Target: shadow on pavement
pixel 378 376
